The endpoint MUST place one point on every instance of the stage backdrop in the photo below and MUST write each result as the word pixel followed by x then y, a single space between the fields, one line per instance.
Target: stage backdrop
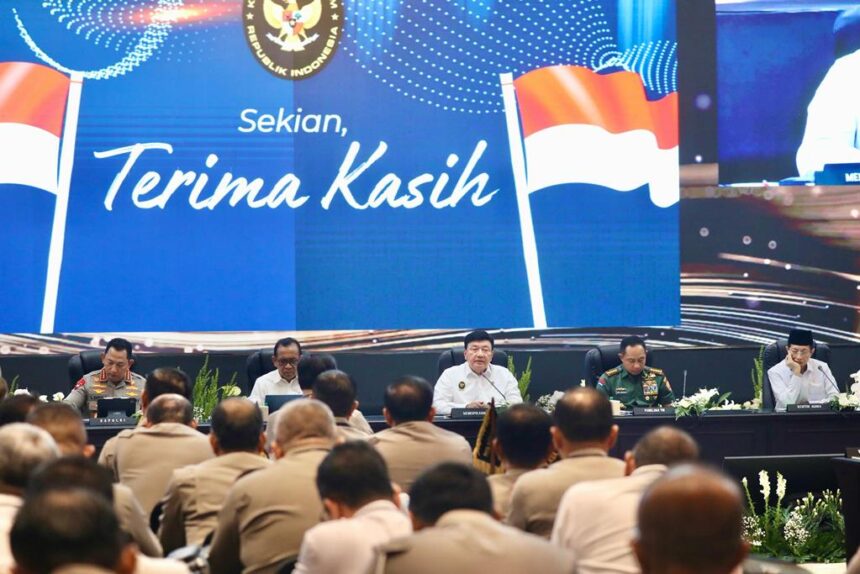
pixel 222 165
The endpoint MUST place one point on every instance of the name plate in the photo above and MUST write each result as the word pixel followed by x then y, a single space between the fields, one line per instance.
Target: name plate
pixel 463 413
pixel 112 422
pixel 821 407
pixel 654 411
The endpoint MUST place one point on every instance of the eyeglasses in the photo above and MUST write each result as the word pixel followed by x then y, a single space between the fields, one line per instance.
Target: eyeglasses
pixel 478 350
pixel 285 362
pixel 801 352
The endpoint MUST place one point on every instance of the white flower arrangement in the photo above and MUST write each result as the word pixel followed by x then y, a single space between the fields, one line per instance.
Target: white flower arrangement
pixel 55 398
pixel 21 392
pixel 231 391
pixel 547 402
pixel 699 402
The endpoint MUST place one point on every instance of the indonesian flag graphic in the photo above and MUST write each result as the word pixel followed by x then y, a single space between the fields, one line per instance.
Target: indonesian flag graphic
pixel 579 126
pixel 32 105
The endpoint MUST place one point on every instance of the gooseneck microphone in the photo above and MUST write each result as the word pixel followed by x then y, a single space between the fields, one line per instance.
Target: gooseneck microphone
pixel 504 398
pixel 826 376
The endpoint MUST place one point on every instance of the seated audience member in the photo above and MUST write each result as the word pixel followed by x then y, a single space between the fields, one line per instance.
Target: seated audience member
pixel 800 379
pixel 63 422
pixel 115 379
pixel 23 447
pixel 70 531
pixel 267 513
pixel 159 382
pixel 197 492
pixel 596 520
pixel 4 388
pixel 583 434
pixel 16 408
pixel 356 492
pixel 632 382
pixel 337 390
pixel 452 514
pixel 283 380
pixel 690 522
pixel 146 458
pixel 523 443
pixel 476 382
pixel 413 442
pixel 312 366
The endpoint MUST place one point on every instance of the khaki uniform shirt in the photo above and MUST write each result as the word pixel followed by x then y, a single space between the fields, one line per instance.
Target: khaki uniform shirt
pixel 409 448
pixel 650 388
pixel 470 541
pixel 267 513
pixel 347 431
pixel 146 458
pixel 94 386
pixel 502 485
pixel 537 494
pixel 133 521
pixel 195 495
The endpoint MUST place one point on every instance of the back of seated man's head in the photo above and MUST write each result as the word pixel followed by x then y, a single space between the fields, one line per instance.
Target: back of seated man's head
pixel 63 422
pixel 445 487
pixel 23 447
pixel 73 471
pixel 523 435
pixel 352 475
pixel 583 415
pixel 166 381
pixel 69 526
pixel 4 388
pixel 304 419
pixel 338 390
pixel 170 408
pixel 311 366
pixel 16 408
pixel 667 446
pixel 408 399
pixel 690 521
pixel 237 424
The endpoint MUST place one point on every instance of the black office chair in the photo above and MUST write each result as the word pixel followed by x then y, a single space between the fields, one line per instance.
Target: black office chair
pixel 599 360
pixel 454 356
pixel 773 354
pixel 83 363
pixel 258 364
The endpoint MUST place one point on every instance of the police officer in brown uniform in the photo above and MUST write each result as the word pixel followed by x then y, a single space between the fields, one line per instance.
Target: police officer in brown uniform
pixel 114 380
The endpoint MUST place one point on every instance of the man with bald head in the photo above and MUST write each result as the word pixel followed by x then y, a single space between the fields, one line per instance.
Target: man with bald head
pixel 267 512
pixel 63 422
pixel 690 522
pixel 196 493
pixel 583 432
pixel 146 458
pixel 596 519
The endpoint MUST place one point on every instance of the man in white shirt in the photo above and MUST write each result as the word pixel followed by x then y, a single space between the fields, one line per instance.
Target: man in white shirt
pixel 283 380
pixel 597 519
pixel 356 492
pixel 474 383
pixel 800 379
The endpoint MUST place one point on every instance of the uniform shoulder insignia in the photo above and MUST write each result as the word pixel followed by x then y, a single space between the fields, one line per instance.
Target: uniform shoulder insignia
pixel 655 371
pixel 612 372
pixel 80 383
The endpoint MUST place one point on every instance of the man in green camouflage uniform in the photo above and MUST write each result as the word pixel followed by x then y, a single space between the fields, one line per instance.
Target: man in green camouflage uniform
pixel 633 383
pixel 114 380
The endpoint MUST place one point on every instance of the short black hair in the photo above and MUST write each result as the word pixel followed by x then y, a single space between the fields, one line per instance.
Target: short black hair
pixel 354 473
pixel 170 410
pixel 409 398
pixel 237 424
pixel 449 486
pixel 69 526
pixel 120 344
pixel 523 434
pixel 167 380
pixel 479 335
pixel 632 341
pixel 313 365
pixel 286 342
pixel 336 389
pixel 71 472
pixel 583 414
pixel 16 408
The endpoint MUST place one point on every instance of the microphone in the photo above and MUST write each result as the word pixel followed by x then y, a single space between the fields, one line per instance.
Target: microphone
pixel 823 372
pixel 684 390
pixel 484 374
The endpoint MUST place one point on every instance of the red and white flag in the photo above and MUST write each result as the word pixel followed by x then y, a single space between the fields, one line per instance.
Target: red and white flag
pixel 579 126
pixel 33 102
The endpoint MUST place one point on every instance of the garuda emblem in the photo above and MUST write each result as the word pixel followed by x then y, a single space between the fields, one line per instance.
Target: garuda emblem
pixel 292 23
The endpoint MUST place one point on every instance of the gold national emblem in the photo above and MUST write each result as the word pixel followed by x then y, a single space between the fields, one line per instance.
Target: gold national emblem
pixel 461 386
pixel 293 39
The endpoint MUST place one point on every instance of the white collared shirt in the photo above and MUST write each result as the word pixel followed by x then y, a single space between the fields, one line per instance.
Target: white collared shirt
pixel 460 385
pixel 815 385
pixel 346 546
pixel 272 384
